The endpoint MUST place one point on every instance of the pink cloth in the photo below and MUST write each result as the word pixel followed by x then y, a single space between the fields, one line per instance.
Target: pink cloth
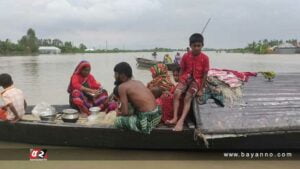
pixel 243 76
pixel 231 77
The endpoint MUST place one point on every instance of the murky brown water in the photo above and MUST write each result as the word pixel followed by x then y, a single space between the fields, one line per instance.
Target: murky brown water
pixel 46 77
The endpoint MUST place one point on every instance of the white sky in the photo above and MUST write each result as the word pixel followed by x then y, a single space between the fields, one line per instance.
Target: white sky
pixel 138 24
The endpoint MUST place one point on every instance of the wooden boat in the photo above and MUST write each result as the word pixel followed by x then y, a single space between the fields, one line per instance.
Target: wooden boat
pixel 172 66
pixel 269 119
pixel 147 63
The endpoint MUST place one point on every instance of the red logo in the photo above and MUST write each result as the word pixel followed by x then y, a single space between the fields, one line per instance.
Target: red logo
pixel 38 154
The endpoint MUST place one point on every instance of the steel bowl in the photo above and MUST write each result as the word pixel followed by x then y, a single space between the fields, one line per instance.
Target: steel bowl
pixel 49 118
pixel 70 117
pixel 70 111
pixel 94 110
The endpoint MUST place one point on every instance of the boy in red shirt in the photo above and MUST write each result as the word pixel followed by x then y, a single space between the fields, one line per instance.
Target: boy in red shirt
pixel 194 67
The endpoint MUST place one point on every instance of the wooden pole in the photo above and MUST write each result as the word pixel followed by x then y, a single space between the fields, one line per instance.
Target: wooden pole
pixel 205 25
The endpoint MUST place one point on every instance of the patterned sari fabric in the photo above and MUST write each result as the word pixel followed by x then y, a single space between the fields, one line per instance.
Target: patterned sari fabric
pixel 161 78
pixel 143 122
pixel 81 100
pixel 167 107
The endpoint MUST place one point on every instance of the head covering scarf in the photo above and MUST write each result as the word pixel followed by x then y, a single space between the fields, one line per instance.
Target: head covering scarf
pixel 161 78
pixel 167 59
pixel 89 80
pixel 83 64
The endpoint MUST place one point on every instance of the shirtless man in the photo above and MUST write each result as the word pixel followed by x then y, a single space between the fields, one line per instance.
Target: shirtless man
pixel 138 111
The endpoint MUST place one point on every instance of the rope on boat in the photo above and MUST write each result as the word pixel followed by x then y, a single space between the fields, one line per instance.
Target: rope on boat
pixel 198 135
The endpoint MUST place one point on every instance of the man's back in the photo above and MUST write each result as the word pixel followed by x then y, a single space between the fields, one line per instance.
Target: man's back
pixel 140 96
pixel 16 97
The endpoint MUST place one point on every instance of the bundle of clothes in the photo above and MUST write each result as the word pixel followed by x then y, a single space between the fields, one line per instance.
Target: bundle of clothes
pixel 226 85
pixel 223 86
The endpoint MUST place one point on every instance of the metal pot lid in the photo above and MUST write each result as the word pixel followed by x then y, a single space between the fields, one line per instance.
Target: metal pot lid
pixel 70 111
pixel 47 113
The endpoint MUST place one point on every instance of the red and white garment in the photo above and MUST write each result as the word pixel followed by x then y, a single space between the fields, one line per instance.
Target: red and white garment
pixel 231 77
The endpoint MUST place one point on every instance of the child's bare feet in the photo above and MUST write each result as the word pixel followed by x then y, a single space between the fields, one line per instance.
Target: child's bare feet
pixel 179 126
pixel 172 121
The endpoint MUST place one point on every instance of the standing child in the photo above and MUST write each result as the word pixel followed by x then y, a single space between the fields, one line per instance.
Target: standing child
pixel 194 67
pixel 14 103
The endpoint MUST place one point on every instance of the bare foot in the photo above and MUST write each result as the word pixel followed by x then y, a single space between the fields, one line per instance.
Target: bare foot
pixel 179 126
pixel 15 120
pixel 172 121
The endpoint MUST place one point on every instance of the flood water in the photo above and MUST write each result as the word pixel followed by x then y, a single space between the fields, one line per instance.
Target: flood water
pixel 46 77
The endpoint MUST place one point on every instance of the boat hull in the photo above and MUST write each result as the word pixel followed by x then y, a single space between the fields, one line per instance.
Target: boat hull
pixel 101 137
pixel 268 119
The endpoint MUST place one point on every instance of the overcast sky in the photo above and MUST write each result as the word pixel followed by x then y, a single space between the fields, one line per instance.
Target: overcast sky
pixel 138 24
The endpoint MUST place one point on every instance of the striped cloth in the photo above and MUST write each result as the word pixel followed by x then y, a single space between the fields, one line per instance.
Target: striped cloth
pixel 142 122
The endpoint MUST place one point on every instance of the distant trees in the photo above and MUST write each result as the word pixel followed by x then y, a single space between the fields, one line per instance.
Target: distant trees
pixel 29 45
pixel 50 42
pixel 292 41
pixel 82 47
pixel 7 46
pixel 263 46
pixel 29 42
pixel 260 47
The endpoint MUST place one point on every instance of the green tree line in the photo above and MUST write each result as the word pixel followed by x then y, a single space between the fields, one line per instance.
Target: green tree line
pixel 29 44
pixel 26 45
pixel 262 46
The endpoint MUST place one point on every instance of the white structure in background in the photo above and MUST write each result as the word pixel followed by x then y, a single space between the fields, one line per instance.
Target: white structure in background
pixel 89 50
pixel 286 48
pixel 49 50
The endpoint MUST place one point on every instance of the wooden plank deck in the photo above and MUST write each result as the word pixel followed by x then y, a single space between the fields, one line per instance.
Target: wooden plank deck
pixel 267 107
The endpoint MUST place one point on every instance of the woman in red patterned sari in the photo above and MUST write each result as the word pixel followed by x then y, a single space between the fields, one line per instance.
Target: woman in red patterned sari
pixel 85 92
pixel 162 81
pixel 161 78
